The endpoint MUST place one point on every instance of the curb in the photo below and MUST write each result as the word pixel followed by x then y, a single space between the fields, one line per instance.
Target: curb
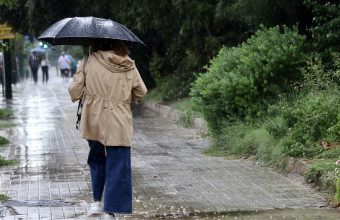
pixel 168 112
pixel 294 166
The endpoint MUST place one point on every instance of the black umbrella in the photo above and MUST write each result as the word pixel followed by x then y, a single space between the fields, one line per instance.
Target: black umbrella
pixel 81 31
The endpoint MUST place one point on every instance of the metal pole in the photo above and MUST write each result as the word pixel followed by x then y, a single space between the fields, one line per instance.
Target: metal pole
pixel 8 70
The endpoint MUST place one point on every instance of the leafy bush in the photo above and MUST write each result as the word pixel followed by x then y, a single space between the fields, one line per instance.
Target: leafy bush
pixel 3 141
pixel 4 162
pixel 314 114
pixel 3 197
pixel 5 113
pixel 240 80
pixel 310 117
pixel 325 26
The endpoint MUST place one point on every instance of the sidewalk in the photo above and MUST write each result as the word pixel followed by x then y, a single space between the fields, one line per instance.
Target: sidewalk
pixel 171 178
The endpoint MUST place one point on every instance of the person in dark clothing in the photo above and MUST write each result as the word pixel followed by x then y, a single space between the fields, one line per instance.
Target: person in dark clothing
pixel 34 62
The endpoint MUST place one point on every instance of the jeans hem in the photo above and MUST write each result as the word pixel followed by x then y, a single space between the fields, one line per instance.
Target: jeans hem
pixel 118 212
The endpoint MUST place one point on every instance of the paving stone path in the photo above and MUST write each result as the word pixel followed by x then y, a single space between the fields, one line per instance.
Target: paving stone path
pixel 171 178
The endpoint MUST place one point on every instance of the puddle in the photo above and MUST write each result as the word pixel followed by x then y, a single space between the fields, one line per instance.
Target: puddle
pixel 37 203
pixel 310 213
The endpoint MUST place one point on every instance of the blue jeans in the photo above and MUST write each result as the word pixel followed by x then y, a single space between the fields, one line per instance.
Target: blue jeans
pixel 113 172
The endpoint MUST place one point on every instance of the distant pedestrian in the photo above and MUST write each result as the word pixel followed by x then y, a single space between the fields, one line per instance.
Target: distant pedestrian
pixel 64 66
pixel 112 82
pixel 73 66
pixel 34 63
pixel 44 67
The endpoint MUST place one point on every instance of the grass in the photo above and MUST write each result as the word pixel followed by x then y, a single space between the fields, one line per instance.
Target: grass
pixel 7 125
pixel 5 113
pixel 321 175
pixel 187 116
pixel 3 197
pixel 4 162
pixel 182 104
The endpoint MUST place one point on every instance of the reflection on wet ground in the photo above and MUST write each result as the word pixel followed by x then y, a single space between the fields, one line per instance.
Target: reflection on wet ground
pixel 171 178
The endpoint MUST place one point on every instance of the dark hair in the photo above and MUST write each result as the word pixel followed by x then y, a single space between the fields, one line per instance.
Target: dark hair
pixel 118 46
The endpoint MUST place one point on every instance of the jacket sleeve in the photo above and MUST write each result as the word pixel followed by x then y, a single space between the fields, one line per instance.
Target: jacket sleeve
pixel 138 87
pixel 76 88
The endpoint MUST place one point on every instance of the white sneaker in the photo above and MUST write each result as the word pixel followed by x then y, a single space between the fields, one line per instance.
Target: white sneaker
pixel 96 209
pixel 110 217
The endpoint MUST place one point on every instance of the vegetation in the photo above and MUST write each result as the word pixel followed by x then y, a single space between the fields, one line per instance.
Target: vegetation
pixel 337 175
pixel 4 162
pixel 3 197
pixel 187 115
pixel 7 125
pixel 299 116
pixel 3 141
pixel 241 81
pixel 5 113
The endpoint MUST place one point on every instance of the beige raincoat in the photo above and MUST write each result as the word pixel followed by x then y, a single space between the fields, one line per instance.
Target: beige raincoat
pixel 112 83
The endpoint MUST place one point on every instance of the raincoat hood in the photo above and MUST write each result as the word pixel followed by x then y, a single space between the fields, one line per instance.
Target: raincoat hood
pixel 114 62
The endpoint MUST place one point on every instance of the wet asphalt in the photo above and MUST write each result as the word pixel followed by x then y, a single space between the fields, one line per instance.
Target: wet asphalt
pixel 171 177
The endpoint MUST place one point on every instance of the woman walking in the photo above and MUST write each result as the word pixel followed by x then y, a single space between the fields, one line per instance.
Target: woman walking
pixel 44 68
pixel 112 82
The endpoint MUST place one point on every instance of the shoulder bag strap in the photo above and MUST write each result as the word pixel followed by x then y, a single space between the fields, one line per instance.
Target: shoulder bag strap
pixel 81 101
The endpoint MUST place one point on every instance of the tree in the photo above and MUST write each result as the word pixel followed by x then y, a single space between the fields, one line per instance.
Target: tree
pixel 325 27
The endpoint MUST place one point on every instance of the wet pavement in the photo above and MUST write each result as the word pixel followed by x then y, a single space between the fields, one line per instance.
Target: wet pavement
pixel 171 178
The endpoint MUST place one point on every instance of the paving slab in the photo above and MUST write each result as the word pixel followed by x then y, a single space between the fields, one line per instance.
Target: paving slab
pixel 171 177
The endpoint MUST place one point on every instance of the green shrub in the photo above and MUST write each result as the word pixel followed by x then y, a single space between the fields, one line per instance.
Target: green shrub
pixel 240 81
pixel 332 153
pixel 276 126
pixel 3 197
pixel 325 29
pixel 310 117
pixel 333 133
pixel 4 162
pixel 5 113
pixel 3 141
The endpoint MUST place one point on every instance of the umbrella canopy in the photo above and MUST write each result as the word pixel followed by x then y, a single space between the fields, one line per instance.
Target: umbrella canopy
pixel 38 50
pixel 81 31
